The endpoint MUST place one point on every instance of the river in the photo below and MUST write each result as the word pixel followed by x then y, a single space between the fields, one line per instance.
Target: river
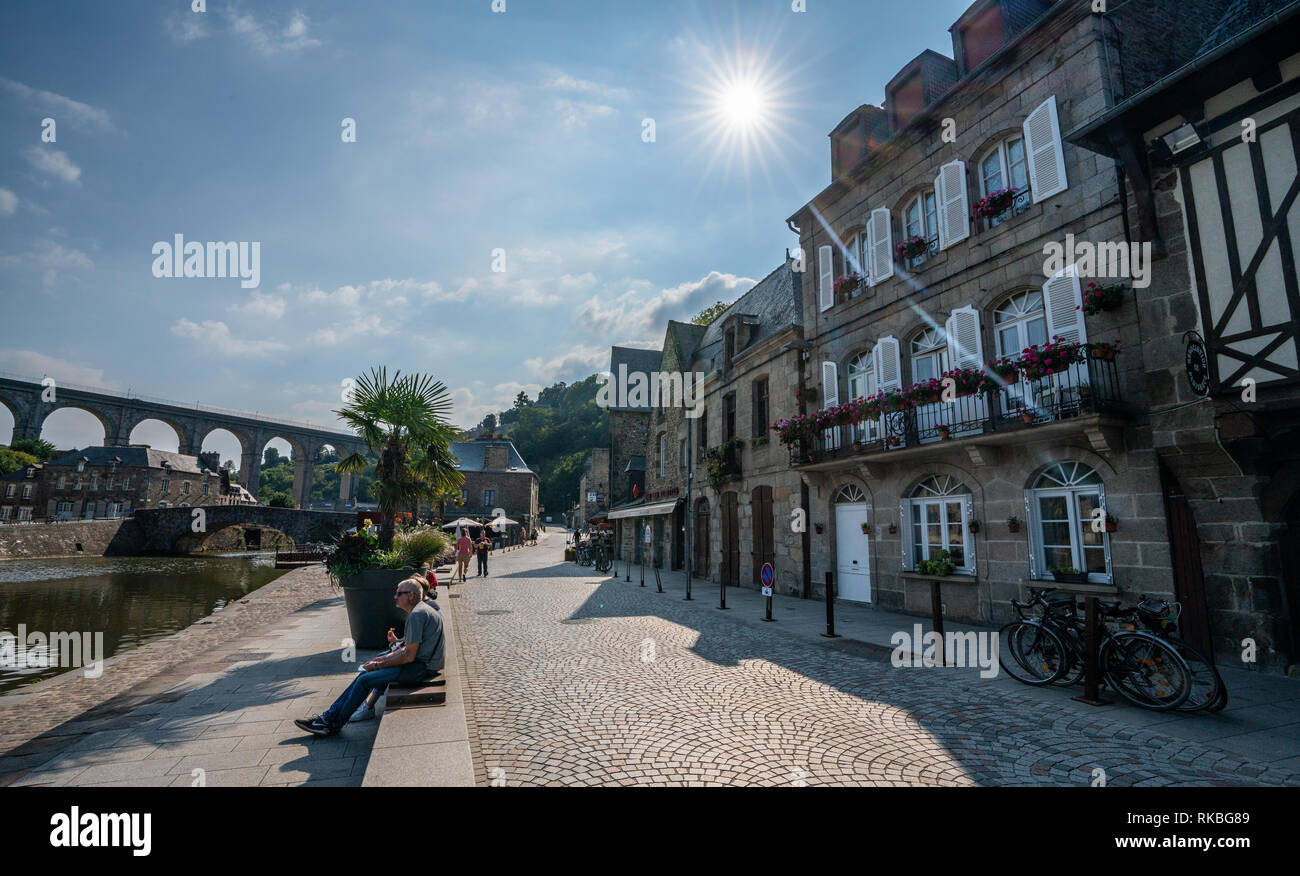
pixel 130 600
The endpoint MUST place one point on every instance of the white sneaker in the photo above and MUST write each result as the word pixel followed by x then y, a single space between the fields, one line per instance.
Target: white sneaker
pixel 363 713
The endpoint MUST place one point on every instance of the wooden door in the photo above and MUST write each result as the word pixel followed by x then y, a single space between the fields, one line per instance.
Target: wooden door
pixel 730 540
pixel 764 549
pixel 1189 578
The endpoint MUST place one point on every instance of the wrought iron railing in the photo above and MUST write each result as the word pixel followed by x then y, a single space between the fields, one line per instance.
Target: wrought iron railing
pixel 1085 388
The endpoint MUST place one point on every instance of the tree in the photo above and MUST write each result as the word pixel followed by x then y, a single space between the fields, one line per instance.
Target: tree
pixel 490 422
pixel 395 418
pixel 270 457
pixel 12 460
pixel 710 313
pixel 522 401
pixel 37 447
pixel 280 500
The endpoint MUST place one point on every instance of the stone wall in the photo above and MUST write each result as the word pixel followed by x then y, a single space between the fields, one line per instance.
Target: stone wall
pixel 93 538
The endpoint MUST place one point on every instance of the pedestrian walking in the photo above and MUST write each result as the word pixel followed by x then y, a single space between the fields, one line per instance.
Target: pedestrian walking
pixel 483 545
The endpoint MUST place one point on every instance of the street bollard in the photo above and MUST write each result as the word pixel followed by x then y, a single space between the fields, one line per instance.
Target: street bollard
pixel 643 571
pixel 627 569
pixel 830 607
pixel 658 584
pixel 936 616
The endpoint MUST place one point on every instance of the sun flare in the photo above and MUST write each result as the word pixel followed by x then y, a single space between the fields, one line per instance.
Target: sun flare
pixel 742 104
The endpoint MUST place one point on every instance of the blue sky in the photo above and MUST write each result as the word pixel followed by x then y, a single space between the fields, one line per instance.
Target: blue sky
pixel 475 131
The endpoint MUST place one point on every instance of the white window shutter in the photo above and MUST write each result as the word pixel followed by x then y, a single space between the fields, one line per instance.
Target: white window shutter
pixel 826 272
pixel 882 245
pixel 940 216
pixel 889 373
pixel 1062 300
pixel 831 396
pixel 965 347
pixel 1044 153
pixel 954 209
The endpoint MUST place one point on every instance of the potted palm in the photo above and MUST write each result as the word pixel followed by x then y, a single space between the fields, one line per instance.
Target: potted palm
pixel 403 422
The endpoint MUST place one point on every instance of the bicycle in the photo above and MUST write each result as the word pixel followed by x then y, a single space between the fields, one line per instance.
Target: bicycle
pixel 1141 667
pixel 1209 692
pixel 604 561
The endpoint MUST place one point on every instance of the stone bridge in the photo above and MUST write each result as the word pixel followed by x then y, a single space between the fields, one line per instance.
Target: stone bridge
pixel 120 414
pixel 161 530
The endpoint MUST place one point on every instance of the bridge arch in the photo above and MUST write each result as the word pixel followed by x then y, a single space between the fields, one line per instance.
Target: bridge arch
pixel 71 426
pixel 9 414
pixel 156 437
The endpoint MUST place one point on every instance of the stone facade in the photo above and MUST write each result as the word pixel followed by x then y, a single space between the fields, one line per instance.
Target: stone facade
pixel 496 476
pixel 594 480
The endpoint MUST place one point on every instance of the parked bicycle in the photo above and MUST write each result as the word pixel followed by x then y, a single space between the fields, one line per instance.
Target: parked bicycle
pixel 1143 668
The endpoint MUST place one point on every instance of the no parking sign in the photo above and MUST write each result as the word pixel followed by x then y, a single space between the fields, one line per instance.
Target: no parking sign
pixel 767 575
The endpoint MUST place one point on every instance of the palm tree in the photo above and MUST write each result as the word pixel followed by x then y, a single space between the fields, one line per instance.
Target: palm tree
pixel 404 423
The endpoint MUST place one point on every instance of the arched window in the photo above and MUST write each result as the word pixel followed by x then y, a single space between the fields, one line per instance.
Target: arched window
pixel 850 494
pixel 936 516
pixel 1020 322
pixel 920 219
pixel 1004 167
pixel 1066 508
pixel 929 350
pixel 862 384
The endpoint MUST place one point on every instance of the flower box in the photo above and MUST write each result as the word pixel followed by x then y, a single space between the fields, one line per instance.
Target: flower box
pixel 912 248
pixel 847 284
pixel 1097 298
pixel 994 204
pixel 1103 351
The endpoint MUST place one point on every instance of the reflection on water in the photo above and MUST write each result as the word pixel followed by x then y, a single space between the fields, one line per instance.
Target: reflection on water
pixel 131 600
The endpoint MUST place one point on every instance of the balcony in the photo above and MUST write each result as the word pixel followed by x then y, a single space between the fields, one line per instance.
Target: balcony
pixel 1083 398
pixel 723 462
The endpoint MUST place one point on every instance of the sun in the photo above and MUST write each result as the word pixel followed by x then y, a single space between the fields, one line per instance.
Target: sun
pixel 742 105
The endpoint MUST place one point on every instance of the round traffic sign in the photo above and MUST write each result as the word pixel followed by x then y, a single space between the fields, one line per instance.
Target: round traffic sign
pixel 767 574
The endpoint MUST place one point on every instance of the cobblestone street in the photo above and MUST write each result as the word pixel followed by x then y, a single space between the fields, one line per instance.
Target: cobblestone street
pixel 577 679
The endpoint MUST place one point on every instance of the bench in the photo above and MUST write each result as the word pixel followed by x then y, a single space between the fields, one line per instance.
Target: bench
pixel 420 695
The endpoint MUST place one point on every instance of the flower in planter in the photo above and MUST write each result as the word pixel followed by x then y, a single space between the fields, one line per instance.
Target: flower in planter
pixel 1104 350
pixel 944 430
pixel 912 247
pixel 866 529
pixel 967 381
pixel 1097 298
pixel 1006 369
pixel 994 204
pixel 1036 363
pixel 848 283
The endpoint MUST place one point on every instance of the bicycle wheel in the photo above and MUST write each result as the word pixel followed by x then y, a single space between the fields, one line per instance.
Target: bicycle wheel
pixel 1076 656
pixel 1146 671
pixel 1208 689
pixel 1037 655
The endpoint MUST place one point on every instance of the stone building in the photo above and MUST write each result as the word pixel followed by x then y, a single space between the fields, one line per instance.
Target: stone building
pixel 945 206
pixel 1209 154
pixel 108 482
pixel 496 476
pixel 593 489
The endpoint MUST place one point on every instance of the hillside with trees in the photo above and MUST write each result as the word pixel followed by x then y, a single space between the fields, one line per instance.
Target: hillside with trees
pixel 554 433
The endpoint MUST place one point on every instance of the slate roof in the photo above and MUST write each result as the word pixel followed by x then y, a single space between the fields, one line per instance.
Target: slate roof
pixel 473 455
pixel 687 335
pixel 134 457
pixel 1239 16
pixel 775 300
pixel 644 361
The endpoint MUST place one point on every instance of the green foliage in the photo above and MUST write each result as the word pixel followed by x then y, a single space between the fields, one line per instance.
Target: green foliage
pixel 357 552
pixel 940 564
pixel 280 500
pixel 37 447
pixel 12 460
pixel 710 313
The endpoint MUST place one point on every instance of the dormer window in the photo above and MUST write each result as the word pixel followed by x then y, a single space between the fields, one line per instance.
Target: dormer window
pixel 81 465
pixel 980 37
pixel 31 472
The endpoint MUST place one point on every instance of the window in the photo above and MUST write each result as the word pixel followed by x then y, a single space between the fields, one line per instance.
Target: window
pixel 76 482
pixel 1062 505
pixel 937 514
pixel 663 454
pixel 63 510
pixel 81 465
pixel 60 482
pixel 464 496
pixel 11 490
pixel 6 512
pixel 112 467
pixel 185 487
pixel 126 484
pixel 31 473
pixel 489 498
pixel 94 482
pixel 205 486
pixel 1005 167
pixel 929 355
pixel 857 260
pixel 1017 324
pixel 27 491
pixel 25 513
pixel 703 444
pixel 862 384
pixel 109 485
pixel 729 349
pixel 759 417
pixel 166 485
pixel 921 219
pixel 729 416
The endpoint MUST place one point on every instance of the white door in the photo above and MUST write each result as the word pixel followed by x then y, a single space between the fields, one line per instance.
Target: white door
pixel 852 552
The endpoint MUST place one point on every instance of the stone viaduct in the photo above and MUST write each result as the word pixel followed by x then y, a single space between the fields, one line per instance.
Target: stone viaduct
pixel 160 530
pixel 30 403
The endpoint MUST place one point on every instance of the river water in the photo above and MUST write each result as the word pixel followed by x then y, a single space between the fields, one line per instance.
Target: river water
pixel 130 600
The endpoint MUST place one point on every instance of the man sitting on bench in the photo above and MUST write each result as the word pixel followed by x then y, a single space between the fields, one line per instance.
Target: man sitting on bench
pixel 420 656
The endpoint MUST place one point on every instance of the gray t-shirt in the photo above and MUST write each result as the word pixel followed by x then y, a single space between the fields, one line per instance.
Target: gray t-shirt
pixel 424 625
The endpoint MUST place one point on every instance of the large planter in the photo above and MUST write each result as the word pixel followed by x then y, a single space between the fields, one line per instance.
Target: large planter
pixel 372 610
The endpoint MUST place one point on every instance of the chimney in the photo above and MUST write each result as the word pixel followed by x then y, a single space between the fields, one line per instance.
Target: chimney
pixel 496 456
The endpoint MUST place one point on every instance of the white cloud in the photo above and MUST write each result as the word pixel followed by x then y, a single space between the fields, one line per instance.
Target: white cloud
pixel 59 107
pixel 575 364
pixel 633 315
pixel 187 26
pixel 8 202
pixel 576 114
pixel 215 337
pixel 268 38
pixel 561 81
pixel 54 162
pixel 30 363
pixel 51 259
pixel 359 326
pixel 261 306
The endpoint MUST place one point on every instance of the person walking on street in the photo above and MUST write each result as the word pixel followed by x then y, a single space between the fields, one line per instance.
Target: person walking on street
pixel 483 545
pixel 464 548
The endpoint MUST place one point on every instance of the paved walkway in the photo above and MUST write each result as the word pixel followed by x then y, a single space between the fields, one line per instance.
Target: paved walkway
pixel 576 679
pixel 222 716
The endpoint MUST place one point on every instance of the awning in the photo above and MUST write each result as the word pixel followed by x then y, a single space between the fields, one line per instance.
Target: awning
pixel 654 510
